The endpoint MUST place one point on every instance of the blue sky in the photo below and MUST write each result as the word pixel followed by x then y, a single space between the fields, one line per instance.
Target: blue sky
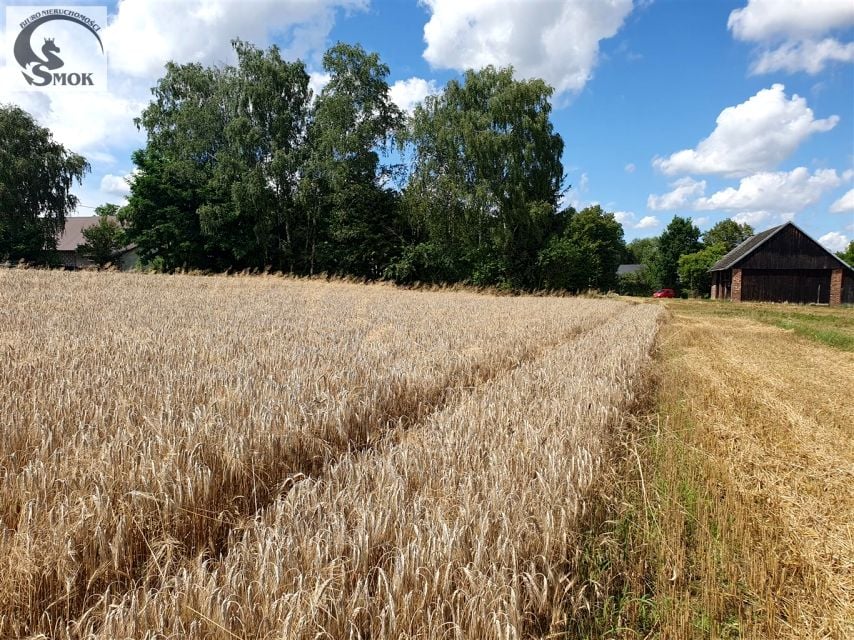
pixel 705 108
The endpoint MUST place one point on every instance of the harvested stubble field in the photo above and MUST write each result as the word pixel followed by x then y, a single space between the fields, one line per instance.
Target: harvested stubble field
pixel 260 457
pixel 739 524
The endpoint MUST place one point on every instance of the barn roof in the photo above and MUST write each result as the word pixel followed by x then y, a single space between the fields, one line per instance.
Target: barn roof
pixel 750 245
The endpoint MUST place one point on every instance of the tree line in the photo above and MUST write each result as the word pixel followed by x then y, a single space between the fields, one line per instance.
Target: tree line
pixel 244 167
pixel 681 256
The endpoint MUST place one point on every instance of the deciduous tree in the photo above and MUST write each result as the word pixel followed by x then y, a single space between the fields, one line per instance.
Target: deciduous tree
pixel 351 218
pixel 36 177
pixel 486 178
pixel 728 233
pixel 680 237
pixel 848 254
pixel 586 255
pixel 105 238
pixel 694 268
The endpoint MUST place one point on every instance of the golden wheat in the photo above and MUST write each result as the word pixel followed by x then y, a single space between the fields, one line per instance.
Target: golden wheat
pixel 265 457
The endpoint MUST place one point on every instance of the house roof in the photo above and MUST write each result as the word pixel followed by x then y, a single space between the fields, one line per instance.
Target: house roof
pixel 72 235
pixel 624 269
pixel 754 242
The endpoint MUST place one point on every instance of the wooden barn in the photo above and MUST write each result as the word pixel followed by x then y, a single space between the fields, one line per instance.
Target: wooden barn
pixel 782 264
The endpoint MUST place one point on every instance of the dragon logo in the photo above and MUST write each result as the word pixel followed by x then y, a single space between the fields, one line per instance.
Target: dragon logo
pixel 39 70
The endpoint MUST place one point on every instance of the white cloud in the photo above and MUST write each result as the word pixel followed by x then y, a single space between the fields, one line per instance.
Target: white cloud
pixel 406 94
pixel 625 218
pixel 557 40
pixel 778 192
pixel 115 185
pixel 834 241
pixel 702 221
pixel 767 19
pixel 628 219
pixel 753 136
pixel 683 190
pixel 630 168
pixel 845 204
pixel 795 28
pixel 806 55
pixel 318 80
pixel 647 222
pixel 92 123
pixel 145 34
pixel 753 218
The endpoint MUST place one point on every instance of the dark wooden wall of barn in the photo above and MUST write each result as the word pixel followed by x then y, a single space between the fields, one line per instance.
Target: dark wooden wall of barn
pixel 786 285
pixel 848 287
pixel 789 249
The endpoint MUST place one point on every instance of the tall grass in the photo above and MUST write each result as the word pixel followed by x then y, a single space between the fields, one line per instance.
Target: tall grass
pixel 258 456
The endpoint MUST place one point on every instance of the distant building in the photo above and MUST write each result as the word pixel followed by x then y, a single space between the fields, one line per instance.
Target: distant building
pixel 626 269
pixel 782 264
pixel 72 239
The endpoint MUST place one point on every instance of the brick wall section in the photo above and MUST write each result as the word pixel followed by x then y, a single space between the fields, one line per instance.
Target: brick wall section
pixel 836 286
pixel 736 285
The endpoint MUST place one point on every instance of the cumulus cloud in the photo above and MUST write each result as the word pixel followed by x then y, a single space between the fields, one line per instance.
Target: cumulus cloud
pixel 115 185
pixel 557 40
pixel 768 19
pixel 630 168
pixel 625 218
pixel 845 204
pixel 145 34
pixel 753 218
pixel 92 123
pixel 628 219
pixel 647 222
pixel 318 80
pixel 778 192
pixel 407 94
pixel 790 34
pixel 682 192
pixel 834 241
pixel 809 55
pixel 755 135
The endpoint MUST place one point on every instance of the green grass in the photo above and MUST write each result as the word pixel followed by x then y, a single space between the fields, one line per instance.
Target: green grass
pixel 833 326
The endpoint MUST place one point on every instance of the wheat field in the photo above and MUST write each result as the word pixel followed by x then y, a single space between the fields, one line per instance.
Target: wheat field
pixel 264 457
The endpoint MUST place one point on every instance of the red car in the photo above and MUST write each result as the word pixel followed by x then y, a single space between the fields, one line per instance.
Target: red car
pixel 664 293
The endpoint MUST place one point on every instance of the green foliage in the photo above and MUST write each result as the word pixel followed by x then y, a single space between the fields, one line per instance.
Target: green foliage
pixel 586 255
pixel 161 216
pixel 848 254
pixel 642 251
pixel 486 177
pixel 694 268
pixel 728 233
pixel 241 170
pixel 250 207
pixel 679 238
pixel 352 223
pixel 105 238
pixel 36 176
